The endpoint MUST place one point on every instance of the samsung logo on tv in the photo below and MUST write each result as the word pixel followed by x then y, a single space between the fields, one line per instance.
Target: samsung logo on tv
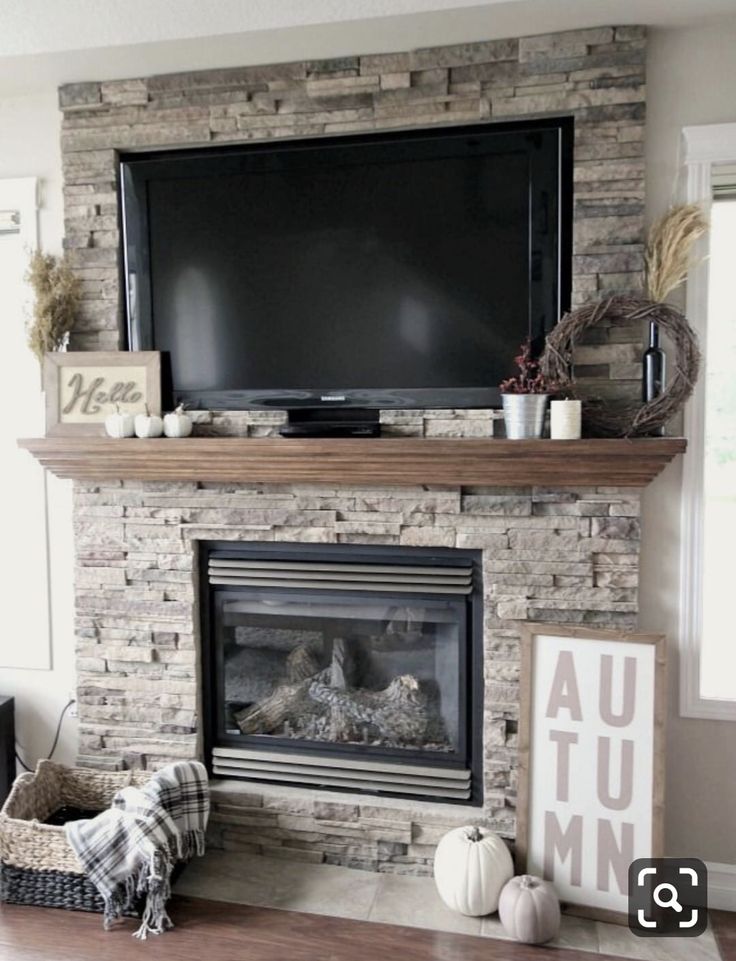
pixel 332 397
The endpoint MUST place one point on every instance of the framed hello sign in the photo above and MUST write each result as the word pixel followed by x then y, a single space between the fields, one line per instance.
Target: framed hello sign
pixel 591 762
pixel 84 387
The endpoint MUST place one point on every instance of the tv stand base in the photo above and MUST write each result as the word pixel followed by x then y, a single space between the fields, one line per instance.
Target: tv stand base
pixel 343 422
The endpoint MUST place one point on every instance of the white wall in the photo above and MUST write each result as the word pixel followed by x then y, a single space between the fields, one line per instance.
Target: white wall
pixel 692 79
pixel 30 148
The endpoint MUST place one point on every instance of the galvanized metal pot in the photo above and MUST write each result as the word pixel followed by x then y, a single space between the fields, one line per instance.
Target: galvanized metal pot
pixel 523 415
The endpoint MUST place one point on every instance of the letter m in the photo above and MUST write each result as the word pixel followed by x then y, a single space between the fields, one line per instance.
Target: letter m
pixel 563 844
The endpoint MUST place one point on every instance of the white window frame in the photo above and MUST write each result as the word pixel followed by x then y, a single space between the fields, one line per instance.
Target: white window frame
pixel 705 146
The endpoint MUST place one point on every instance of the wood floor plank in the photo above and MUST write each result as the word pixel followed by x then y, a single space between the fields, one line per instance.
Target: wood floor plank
pixel 724 929
pixel 214 931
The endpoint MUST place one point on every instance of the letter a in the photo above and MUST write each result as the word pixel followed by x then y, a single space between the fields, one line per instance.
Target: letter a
pixel 564 694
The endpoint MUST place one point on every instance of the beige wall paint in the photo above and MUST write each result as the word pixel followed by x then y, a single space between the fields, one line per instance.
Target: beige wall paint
pixel 691 79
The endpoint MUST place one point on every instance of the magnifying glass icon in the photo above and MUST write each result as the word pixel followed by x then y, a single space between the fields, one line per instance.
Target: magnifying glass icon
pixel 669 902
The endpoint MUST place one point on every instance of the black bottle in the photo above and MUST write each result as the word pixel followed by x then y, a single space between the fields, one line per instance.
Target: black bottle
pixel 653 366
pixel 653 370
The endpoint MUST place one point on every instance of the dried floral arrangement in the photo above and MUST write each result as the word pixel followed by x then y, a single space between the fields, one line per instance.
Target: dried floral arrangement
pixel 57 293
pixel 530 379
pixel 668 257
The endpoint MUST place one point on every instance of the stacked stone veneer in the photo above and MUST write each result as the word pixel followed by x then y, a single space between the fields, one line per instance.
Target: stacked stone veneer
pixel 595 75
pixel 564 555
pixel 554 555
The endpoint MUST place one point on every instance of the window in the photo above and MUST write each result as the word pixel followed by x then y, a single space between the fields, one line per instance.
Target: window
pixel 708 657
pixel 718 650
pixel 24 558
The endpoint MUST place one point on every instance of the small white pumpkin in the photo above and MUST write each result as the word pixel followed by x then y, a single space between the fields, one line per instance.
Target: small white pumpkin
pixel 119 424
pixel 148 425
pixel 529 910
pixel 177 423
pixel 471 865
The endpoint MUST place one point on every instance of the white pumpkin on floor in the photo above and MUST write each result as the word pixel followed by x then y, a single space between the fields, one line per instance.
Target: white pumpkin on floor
pixel 529 910
pixel 471 866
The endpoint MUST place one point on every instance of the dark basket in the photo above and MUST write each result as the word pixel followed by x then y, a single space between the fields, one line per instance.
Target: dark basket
pixel 37 863
pixel 48 889
pixel 58 889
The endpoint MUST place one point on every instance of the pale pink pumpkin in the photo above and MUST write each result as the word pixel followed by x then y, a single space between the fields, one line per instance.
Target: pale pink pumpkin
pixel 529 910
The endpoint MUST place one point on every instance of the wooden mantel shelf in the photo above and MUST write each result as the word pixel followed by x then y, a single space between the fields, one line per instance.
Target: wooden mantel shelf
pixel 381 461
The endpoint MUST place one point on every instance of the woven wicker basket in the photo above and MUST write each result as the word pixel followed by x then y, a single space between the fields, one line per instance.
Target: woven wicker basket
pixel 37 864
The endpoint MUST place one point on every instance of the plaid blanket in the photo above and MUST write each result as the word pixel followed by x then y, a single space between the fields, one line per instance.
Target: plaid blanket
pixel 129 851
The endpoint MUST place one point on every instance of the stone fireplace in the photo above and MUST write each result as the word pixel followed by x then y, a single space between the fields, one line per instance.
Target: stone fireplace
pixel 553 554
pixel 556 555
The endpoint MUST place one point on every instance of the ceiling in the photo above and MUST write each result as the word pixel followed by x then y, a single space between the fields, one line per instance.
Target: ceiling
pixel 46 42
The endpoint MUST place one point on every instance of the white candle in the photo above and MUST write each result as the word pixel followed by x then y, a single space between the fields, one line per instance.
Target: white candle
pixel 564 419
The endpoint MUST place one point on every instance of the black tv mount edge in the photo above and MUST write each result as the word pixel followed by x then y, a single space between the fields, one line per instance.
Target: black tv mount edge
pixel 331 422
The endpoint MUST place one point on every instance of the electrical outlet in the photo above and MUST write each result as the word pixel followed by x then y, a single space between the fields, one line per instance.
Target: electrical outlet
pixel 73 712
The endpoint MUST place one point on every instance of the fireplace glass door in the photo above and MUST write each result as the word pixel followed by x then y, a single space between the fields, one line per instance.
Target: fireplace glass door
pixel 373 673
pixel 344 667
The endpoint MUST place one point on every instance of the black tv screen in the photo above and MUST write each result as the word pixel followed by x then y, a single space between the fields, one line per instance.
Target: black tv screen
pixel 386 270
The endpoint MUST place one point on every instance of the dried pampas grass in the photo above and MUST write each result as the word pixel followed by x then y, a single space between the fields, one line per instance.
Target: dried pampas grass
pixel 57 293
pixel 669 249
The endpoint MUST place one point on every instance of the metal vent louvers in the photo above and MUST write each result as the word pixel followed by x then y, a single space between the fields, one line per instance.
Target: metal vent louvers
pixel 350 774
pixel 396 578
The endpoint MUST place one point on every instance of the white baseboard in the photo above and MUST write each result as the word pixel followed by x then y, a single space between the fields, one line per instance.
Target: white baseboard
pixel 721 886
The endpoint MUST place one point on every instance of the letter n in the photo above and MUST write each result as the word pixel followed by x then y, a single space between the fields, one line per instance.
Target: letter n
pixel 613 855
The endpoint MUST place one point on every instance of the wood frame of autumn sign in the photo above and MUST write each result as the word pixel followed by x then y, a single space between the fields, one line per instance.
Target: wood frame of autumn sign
pixel 591 762
pixel 84 387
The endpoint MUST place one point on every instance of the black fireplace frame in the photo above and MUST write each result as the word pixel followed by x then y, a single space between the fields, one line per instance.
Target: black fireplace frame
pixel 471 681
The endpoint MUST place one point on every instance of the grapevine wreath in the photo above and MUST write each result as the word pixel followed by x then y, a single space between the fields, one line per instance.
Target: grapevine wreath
pixel 668 258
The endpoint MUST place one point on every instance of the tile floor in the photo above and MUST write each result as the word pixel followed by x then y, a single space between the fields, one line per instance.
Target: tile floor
pixel 341 892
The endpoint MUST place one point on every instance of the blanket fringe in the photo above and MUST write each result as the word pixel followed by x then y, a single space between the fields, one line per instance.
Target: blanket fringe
pixel 130 853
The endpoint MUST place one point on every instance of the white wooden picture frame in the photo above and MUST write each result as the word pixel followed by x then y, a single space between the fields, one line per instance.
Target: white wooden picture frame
pixel 591 761
pixel 84 387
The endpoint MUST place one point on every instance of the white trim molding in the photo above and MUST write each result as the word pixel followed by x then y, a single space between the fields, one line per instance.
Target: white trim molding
pixel 721 886
pixel 704 147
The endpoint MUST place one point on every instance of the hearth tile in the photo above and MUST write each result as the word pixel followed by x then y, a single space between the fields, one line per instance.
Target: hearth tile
pixel 415 902
pixel 491 927
pixel 618 940
pixel 291 885
pixel 578 933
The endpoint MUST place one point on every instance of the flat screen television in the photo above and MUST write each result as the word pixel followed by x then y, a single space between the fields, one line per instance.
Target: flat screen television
pixel 388 270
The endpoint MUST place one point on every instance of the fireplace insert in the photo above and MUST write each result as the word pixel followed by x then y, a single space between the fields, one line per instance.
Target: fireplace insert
pixel 344 667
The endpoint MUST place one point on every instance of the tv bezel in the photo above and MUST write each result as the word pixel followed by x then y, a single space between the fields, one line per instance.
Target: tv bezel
pixel 136 169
